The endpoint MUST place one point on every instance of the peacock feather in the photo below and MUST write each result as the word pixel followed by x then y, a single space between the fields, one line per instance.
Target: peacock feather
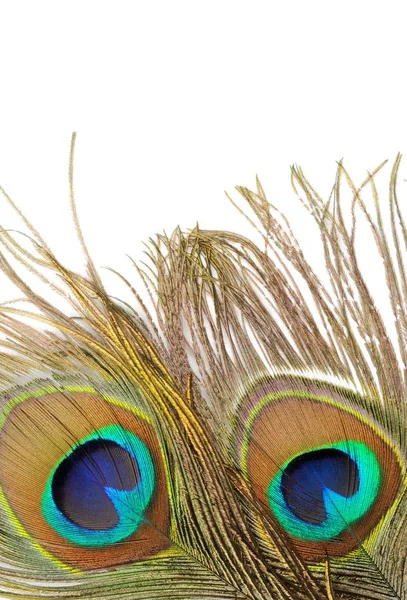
pixel 244 439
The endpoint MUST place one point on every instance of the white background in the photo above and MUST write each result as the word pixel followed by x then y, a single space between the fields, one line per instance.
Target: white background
pixel 175 102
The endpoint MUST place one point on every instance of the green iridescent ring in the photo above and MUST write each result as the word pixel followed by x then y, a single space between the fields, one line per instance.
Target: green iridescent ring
pixel 341 510
pixel 98 465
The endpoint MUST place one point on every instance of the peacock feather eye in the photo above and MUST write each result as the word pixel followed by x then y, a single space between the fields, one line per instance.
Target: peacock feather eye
pixel 84 475
pixel 327 473
pixel 112 472
pixel 318 494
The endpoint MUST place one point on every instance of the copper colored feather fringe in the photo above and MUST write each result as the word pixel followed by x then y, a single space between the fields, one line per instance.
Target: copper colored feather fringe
pixel 245 440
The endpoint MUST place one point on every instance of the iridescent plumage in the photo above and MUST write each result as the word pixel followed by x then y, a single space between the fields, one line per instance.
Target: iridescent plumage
pixel 248 440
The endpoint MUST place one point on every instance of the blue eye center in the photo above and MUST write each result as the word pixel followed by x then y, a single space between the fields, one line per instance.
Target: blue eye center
pixel 98 493
pixel 307 476
pixel 319 494
pixel 80 481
